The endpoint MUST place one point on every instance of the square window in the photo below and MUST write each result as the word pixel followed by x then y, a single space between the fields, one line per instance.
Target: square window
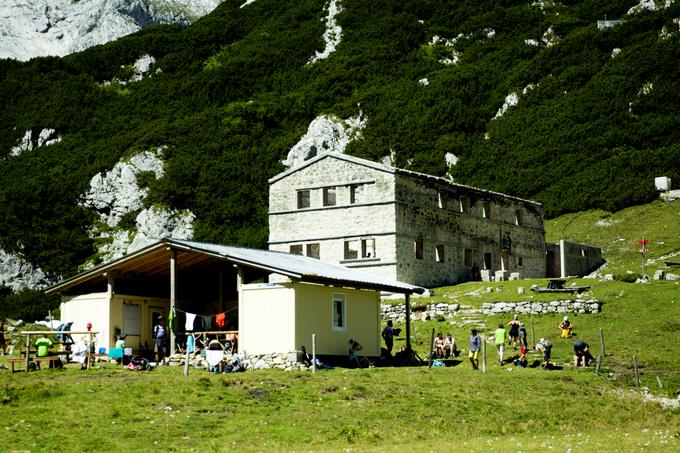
pixel 351 250
pixel 368 248
pixel 329 196
pixel 418 248
pixel 468 257
pixel 439 253
pixel 487 260
pixel 519 217
pixel 296 249
pixel 464 204
pixel 338 312
pixel 303 199
pixel 313 250
pixel 486 210
pixel 520 261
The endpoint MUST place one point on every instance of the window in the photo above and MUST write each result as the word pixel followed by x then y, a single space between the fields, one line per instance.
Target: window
pixel 486 210
pixel 441 200
pixel 464 204
pixel 418 248
pixel 468 257
pixel 313 250
pixel 296 249
pixel 351 250
pixel 329 196
pixel 487 260
pixel 353 192
pixel 520 261
pixel 584 252
pixel 368 248
pixel 303 199
pixel 338 312
pixel 131 319
pixel 519 217
pixel 439 253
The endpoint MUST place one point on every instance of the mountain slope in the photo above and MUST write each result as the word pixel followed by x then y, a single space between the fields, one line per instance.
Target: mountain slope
pixel 532 100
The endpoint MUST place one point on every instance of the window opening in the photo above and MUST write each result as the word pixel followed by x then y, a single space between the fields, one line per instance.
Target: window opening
pixel 439 253
pixel 296 249
pixel 338 312
pixel 468 257
pixel 368 248
pixel 329 196
pixel 486 210
pixel 313 250
pixel 519 217
pixel 464 204
pixel 418 248
pixel 303 199
pixel 351 250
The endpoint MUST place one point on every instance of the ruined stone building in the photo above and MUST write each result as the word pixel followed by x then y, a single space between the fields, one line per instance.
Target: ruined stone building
pixel 403 225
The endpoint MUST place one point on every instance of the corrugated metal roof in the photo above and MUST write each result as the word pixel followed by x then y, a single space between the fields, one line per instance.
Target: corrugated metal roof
pixel 299 267
pixel 154 259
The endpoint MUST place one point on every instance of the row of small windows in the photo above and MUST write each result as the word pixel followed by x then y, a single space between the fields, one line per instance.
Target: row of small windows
pixel 468 255
pixel 353 249
pixel 330 196
pixel 463 206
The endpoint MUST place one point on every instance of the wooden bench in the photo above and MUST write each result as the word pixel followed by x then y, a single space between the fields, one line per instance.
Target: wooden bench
pixel 14 360
pixel 50 359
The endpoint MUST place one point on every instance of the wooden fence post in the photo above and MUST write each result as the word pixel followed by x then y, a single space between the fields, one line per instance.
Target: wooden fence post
pixel 313 353
pixel 602 343
pixel 28 349
pixel 483 347
pixel 597 365
pixel 186 362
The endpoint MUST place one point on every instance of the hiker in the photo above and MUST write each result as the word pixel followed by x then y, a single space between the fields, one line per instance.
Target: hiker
pixel 159 336
pixel 438 345
pixel 545 347
pixel 43 344
pixel 3 343
pixel 581 353
pixel 514 331
pixel 450 346
pixel 90 341
pixel 500 337
pixel 475 345
pixel 353 356
pixel 566 327
pixel 522 338
pixel 66 338
pixel 388 337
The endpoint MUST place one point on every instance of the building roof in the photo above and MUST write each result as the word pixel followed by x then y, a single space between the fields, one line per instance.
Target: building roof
pixel 155 259
pixel 394 170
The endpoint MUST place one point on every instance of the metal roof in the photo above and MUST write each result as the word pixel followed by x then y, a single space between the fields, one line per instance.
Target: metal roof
pixel 154 260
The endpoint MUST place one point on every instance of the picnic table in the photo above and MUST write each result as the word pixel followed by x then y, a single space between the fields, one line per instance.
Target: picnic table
pixel 556 285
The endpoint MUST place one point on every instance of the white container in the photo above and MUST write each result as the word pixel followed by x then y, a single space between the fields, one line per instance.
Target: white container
pixel 662 183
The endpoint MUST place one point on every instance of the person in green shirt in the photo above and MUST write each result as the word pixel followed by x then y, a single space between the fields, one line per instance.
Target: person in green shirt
pixel 43 345
pixel 501 338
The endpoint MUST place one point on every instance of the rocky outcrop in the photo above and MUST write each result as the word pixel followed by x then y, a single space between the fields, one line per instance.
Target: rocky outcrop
pixel 116 195
pixel 333 33
pixel 17 274
pixel 33 139
pixel 32 28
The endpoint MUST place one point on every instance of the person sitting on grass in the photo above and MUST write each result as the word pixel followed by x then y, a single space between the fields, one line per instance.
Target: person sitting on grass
pixel 438 345
pixel 581 353
pixel 545 346
pixel 450 349
pixel 566 327
pixel 501 336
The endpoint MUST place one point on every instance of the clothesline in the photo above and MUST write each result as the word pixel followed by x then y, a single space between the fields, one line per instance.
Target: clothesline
pixel 214 314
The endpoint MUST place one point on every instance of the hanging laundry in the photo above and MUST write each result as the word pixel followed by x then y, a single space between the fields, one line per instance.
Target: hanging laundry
pixel 189 325
pixel 171 318
pixel 207 322
pixel 219 320
pixel 190 344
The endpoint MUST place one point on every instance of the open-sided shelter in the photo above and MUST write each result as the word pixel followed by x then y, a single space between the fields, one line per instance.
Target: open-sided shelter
pixel 306 297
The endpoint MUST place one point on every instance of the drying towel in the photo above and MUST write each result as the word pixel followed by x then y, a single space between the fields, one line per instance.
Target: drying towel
pixel 189 325
pixel 190 344
pixel 213 357
pixel 219 319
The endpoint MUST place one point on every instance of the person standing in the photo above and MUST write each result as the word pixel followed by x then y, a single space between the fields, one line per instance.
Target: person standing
pixel 522 338
pixel 501 336
pixel 388 337
pixel 514 330
pixel 545 347
pixel 160 332
pixel 475 345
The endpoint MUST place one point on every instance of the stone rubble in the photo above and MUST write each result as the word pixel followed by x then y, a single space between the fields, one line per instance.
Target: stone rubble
pixel 282 361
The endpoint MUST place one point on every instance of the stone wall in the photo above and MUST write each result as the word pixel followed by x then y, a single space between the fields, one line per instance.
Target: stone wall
pixel 398 312
pixel 288 362
pixel 537 308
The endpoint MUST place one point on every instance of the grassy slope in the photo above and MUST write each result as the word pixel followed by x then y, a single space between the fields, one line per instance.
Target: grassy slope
pixel 453 409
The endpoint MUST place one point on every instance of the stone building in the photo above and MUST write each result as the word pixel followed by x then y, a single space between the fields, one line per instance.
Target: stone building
pixel 403 225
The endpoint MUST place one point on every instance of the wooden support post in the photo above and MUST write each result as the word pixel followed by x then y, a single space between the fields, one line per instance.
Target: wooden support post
pixel 89 350
pixel 483 347
pixel 597 365
pixel 602 343
pixel 408 321
pixel 173 296
pixel 186 362
pixel 28 350
pixel 313 353
pixel 635 369
pixel 431 350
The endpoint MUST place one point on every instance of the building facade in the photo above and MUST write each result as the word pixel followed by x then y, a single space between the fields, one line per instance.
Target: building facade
pixel 403 225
